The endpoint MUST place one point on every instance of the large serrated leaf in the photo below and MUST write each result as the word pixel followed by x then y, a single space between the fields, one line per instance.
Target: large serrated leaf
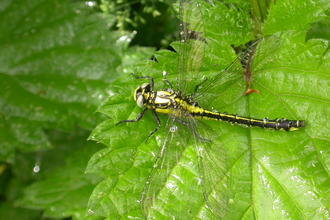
pixel 273 174
pixel 57 59
pixel 297 15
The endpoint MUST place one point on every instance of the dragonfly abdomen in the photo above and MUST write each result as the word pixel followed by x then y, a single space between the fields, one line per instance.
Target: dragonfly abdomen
pixel 276 124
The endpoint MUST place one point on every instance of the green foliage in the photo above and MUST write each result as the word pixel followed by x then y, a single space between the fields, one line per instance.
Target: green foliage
pixel 57 59
pixel 148 18
pixel 273 174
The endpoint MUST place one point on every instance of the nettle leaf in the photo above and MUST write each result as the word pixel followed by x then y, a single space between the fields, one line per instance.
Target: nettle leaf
pixel 229 24
pixel 57 58
pixel 273 174
pixel 65 187
pixel 298 15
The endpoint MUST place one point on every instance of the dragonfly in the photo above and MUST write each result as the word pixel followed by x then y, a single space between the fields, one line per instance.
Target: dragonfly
pixel 187 104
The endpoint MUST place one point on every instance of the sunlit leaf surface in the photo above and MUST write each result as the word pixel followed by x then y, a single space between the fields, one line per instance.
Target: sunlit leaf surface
pixel 271 174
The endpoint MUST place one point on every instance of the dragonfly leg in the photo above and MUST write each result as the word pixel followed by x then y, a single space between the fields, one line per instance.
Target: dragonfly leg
pixel 137 118
pixel 157 121
pixel 198 85
pixel 145 77
pixel 193 130
pixel 168 83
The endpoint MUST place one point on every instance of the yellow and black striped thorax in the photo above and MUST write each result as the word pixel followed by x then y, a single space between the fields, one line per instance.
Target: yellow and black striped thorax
pixel 178 105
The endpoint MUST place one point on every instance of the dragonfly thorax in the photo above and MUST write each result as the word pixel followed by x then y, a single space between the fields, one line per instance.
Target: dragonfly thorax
pixel 162 101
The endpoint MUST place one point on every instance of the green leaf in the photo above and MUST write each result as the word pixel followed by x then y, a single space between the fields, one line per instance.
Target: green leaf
pixel 273 174
pixel 296 15
pixel 64 190
pixel 9 211
pixel 228 24
pixel 57 58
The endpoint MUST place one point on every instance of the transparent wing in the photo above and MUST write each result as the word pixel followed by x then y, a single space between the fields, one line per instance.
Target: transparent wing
pixel 192 48
pixel 211 157
pixel 172 147
pixel 213 169
pixel 265 54
pixel 230 84
pixel 225 87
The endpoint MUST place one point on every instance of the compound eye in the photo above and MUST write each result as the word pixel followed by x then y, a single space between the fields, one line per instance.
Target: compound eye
pixel 146 86
pixel 140 100
pixel 137 93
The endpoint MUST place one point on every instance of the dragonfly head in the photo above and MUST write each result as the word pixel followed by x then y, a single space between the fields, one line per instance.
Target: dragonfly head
pixel 141 94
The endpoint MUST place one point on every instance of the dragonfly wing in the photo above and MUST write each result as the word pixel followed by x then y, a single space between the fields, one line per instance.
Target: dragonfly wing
pixel 265 54
pixel 158 184
pixel 213 169
pixel 229 85
pixel 192 48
